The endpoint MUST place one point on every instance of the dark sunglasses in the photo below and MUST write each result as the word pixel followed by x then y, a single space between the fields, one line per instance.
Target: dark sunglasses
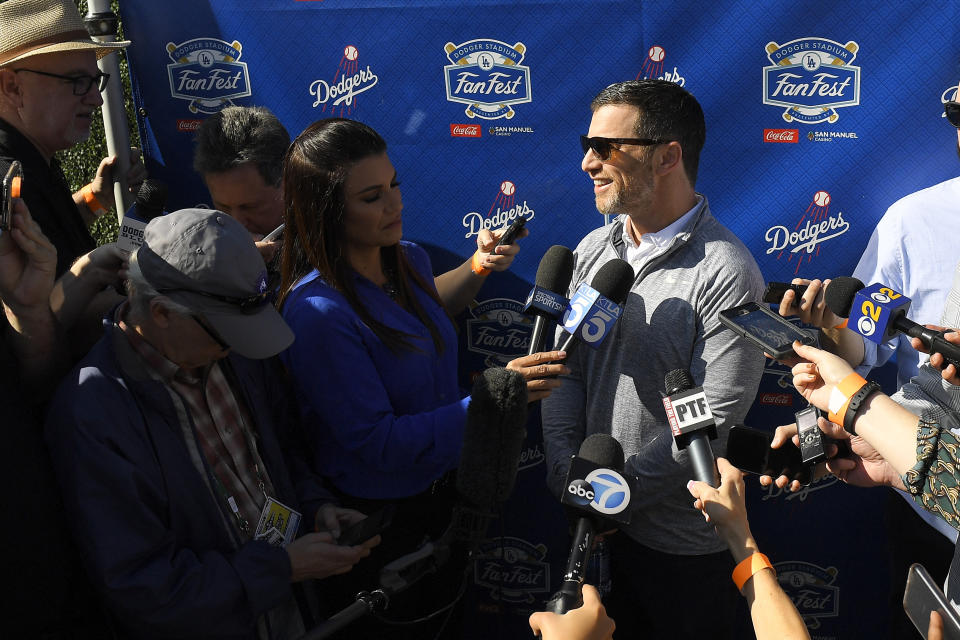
pixel 952 110
pixel 603 146
pixel 81 84
pixel 248 306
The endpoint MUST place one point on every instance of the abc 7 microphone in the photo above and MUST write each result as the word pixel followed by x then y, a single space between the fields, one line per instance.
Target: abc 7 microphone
pixel 878 313
pixel 599 495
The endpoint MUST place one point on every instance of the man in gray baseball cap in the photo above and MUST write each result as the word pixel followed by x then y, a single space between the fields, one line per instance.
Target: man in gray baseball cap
pixel 166 442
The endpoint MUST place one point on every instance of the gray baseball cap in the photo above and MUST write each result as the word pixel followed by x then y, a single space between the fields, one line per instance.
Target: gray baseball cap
pixel 207 261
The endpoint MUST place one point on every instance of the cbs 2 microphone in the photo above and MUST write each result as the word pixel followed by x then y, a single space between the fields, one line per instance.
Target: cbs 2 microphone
pixel 878 313
pixel 595 308
pixel 691 423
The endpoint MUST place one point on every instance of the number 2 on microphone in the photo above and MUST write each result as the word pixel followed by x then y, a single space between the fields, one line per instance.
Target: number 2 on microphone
pixel 871 310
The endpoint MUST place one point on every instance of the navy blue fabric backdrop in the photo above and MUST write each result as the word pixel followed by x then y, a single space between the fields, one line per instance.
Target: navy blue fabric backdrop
pixel 819 116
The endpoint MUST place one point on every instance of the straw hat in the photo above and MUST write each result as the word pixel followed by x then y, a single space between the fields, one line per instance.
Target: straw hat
pixel 32 27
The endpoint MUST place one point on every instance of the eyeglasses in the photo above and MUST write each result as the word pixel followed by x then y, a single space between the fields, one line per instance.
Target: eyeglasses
pixel 248 306
pixel 81 84
pixel 952 110
pixel 210 332
pixel 603 146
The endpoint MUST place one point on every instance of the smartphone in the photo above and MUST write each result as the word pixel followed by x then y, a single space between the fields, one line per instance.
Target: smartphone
pixel 775 290
pixel 368 527
pixel 511 233
pixel 12 183
pixel 748 449
pixel 921 596
pixel 273 235
pixel 765 329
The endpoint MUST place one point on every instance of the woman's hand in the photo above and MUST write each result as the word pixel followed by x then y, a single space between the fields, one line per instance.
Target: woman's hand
pixel 540 370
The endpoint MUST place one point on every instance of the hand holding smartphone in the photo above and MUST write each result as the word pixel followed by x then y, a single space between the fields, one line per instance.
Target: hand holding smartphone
pixel 368 527
pixel 748 449
pixel 511 233
pixel 921 596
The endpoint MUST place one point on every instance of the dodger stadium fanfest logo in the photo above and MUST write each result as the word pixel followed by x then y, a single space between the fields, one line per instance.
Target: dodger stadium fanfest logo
pixel 512 569
pixel 811 588
pixel 487 76
pixel 208 73
pixel 812 78
pixel 499 330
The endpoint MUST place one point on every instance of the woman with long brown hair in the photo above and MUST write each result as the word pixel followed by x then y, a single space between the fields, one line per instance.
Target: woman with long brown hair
pixel 375 360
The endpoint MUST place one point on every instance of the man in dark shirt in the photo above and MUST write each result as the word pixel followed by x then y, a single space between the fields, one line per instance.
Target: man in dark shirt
pixel 49 90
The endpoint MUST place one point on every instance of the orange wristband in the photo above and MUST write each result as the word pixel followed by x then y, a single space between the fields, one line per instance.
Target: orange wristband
pixel 840 397
pixel 476 267
pixel 91 201
pixel 748 567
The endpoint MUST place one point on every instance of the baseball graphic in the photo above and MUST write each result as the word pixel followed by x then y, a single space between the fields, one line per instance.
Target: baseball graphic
pixel 656 53
pixel 821 198
pixel 350 52
pixel 507 188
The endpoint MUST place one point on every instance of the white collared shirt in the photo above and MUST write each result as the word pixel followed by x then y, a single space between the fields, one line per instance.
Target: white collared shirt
pixel 653 243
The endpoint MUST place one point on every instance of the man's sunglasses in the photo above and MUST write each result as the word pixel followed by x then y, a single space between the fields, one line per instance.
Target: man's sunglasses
pixel 603 146
pixel 81 84
pixel 248 306
pixel 952 110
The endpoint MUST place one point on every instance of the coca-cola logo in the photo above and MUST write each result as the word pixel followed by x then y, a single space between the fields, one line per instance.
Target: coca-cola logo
pixel 781 135
pixel 465 130
pixel 777 399
pixel 188 125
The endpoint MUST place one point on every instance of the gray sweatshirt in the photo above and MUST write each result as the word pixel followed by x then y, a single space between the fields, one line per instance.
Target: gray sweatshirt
pixel 669 322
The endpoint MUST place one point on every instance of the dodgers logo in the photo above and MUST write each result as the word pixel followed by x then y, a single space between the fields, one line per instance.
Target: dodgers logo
pixel 812 77
pixel 348 82
pixel 611 492
pixel 487 76
pixel 948 94
pixel 499 330
pixel 503 210
pixel 816 226
pixel 512 569
pixel 812 590
pixel 208 73
pixel 652 67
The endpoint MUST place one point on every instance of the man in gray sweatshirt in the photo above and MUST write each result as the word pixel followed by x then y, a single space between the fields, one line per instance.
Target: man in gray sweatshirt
pixel 642 153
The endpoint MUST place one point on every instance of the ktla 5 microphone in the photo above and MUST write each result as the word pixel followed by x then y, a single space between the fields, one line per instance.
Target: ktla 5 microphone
pixel 151 199
pixel 878 312
pixel 598 493
pixel 489 459
pixel 595 308
pixel 692 423
pixel 544 301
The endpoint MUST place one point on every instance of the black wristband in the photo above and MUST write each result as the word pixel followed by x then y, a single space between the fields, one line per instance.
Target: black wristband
pixel 856 401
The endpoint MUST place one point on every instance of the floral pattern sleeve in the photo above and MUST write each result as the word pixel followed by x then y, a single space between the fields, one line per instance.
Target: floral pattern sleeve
pixel 934 482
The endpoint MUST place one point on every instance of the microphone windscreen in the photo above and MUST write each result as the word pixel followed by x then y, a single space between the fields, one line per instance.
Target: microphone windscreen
pixel 151 198
pixel 839 295
pixel 613 280
pixel 677 380
pixel 602 450
pixel 556 269
pixel 492 438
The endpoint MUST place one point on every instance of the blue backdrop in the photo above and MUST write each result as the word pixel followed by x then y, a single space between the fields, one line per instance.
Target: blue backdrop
pixel 819 116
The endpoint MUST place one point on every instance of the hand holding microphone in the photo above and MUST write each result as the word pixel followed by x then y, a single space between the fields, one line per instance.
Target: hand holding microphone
pixel 948 371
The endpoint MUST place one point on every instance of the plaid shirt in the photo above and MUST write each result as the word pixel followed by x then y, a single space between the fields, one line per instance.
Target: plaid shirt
pixel 222 426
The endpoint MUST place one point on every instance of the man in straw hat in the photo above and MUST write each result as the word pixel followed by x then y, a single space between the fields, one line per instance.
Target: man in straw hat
pixel 165 443
pixel 49 90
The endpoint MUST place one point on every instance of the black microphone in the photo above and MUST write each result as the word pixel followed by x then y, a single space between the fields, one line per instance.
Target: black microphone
pixel 595 308
pixel 489 457
pixel 546 300
pixel 692 423
pixel 149 204
pixel 878 312
pixel 599 494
